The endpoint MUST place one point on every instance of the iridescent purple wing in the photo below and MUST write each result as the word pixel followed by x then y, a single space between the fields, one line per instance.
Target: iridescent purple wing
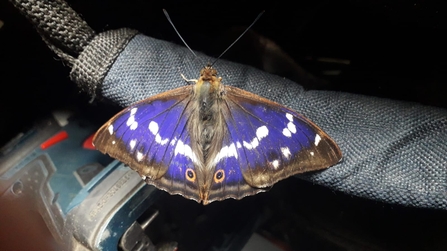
pixel 151 137
pixel 266 142
pixel 228 179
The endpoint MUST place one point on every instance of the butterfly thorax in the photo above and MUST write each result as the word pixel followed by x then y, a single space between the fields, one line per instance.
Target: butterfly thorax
pixel 206 120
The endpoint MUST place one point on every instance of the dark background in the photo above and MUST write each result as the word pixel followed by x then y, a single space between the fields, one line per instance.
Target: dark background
pixel 392 49
pixel 396 49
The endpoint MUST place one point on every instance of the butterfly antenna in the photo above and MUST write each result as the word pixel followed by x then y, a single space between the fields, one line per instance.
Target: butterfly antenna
pixel 231 45
pixel 173 26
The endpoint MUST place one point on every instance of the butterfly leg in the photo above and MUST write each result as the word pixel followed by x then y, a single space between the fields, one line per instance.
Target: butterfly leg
pixel 189 80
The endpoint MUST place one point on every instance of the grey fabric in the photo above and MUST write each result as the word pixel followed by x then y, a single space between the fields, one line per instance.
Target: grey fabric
pixel 92 65
pixel 393 151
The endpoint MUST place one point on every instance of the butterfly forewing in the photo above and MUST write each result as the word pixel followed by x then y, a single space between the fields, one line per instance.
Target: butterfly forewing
pixel 151 137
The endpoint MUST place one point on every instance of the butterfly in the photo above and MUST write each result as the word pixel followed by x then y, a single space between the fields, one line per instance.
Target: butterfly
pixel 209 142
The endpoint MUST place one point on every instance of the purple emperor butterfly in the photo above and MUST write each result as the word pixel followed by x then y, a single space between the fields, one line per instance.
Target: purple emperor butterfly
pixel 211 142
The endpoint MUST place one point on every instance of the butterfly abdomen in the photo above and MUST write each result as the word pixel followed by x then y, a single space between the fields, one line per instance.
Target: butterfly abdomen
pixel 206 121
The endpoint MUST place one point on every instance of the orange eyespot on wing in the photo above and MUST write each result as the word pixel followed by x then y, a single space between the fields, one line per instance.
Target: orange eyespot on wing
pixel 190 175
pixel 219 176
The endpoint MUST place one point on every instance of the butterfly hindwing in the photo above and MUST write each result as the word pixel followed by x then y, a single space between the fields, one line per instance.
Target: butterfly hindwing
pixel 227 179
pixel 272 142
pixel 151 136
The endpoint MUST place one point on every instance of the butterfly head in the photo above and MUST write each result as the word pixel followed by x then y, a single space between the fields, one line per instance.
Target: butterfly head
pixel 208 73
pixel 208 77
